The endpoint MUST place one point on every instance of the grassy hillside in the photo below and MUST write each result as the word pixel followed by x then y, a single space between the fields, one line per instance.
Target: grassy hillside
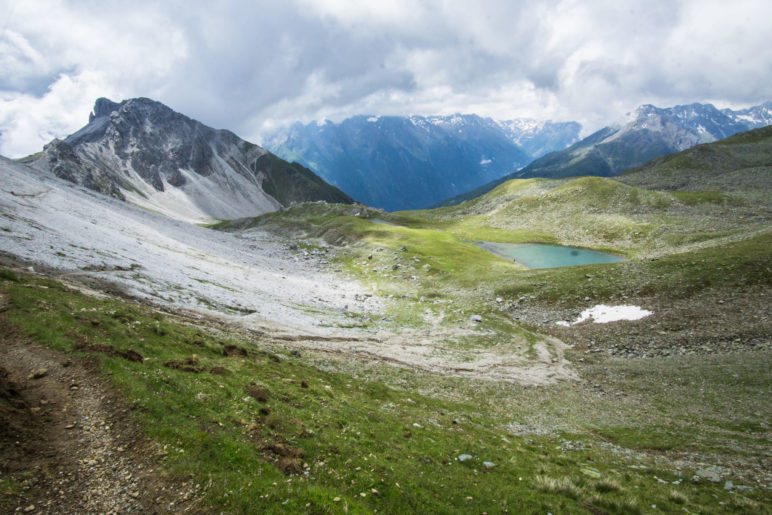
pixel 601 213
pixel 741 164
pixel 272 432
pixel 666 413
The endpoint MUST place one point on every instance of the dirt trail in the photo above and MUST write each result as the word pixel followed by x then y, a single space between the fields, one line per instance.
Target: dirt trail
pixel 67 441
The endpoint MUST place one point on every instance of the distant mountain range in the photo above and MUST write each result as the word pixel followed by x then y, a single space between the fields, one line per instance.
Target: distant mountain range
pixel 652 132
pixel 144 152
pixel 396 162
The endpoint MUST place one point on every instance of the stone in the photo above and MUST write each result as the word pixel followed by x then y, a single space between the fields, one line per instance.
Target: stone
pixel 465 457
pixel 476 318
pixel 37 374
pixel 488 464
pixel 712 474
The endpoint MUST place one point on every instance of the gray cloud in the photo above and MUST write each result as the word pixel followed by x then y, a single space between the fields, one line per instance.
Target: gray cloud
pixel 251 65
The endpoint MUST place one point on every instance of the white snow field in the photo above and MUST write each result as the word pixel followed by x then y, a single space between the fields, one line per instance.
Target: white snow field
pixel 602 314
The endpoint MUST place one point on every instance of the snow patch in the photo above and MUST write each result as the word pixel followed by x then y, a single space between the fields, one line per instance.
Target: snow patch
pixel 602 314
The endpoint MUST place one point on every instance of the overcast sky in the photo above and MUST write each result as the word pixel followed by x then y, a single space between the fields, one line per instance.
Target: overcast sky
pixel 250 65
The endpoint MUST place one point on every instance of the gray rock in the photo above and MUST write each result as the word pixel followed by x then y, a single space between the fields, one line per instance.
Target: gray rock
pixel 729 485
pixel 712 473
pixel 465 457
pixel 476 318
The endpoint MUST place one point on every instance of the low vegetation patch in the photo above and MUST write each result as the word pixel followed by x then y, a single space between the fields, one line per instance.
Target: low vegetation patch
pixel 276 434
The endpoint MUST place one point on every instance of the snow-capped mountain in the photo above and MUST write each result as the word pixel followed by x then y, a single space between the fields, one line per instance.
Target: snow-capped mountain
pixel 541 137
pixel 397 162
pixel 142 151
pixel 651 132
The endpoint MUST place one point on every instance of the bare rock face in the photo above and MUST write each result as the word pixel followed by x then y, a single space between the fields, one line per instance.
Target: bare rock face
pixel 103 107
pixel 61 160
pixel 141 150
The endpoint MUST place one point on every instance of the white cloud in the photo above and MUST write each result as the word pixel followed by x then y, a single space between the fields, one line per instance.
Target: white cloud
pixel 246 66
pixel 29 122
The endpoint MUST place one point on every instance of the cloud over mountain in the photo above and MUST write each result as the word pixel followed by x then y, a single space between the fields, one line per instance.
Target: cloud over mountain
pixel 249 66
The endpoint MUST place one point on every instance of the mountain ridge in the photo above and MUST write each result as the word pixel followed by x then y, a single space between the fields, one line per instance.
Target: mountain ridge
pixel 653 132
pixel 142 151
pixel 400 162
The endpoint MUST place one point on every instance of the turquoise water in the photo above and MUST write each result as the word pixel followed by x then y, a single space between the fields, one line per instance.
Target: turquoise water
pixel 383 222
pixel 538 255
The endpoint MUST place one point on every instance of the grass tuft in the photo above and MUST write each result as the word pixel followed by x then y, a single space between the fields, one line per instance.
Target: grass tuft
pixel 561 486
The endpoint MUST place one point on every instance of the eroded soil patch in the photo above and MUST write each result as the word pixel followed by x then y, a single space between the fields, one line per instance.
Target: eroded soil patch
pixel 68 444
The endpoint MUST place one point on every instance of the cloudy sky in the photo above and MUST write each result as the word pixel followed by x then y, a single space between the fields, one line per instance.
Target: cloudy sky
pixel 252 65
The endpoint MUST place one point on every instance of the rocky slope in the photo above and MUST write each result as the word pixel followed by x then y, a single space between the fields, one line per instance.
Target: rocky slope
pixel 141 151
pixel 100 241
pixel 396 162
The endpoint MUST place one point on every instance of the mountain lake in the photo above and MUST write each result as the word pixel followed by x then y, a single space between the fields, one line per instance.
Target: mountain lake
pixel 383 222
pixel 539 255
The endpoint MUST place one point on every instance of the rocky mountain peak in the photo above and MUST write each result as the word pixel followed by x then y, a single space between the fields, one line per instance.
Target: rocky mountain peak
pixel 103 107
pixel 147 153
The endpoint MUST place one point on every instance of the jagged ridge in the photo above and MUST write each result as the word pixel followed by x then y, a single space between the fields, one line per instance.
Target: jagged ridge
pixel 142 151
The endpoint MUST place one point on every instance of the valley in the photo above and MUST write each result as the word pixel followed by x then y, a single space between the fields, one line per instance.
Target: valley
pixel 330 357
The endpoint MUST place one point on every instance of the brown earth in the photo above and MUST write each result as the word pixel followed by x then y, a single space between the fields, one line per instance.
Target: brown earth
pixel 717 320
pixel 68 443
